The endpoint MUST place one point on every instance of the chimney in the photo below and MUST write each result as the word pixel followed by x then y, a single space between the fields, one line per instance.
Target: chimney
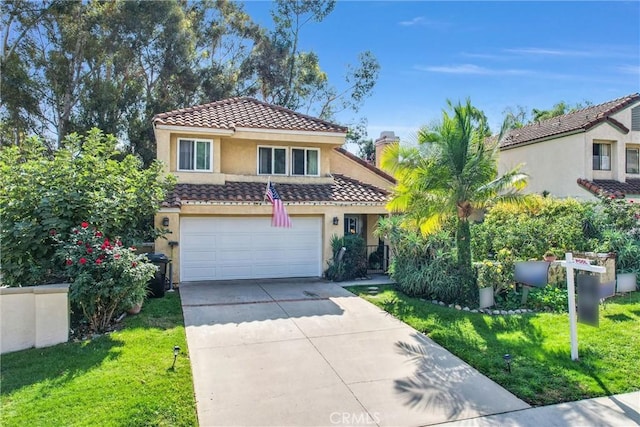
pixel 386 138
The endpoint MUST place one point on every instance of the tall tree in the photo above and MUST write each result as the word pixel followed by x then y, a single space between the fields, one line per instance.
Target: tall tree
pixel 358 135
pixel 20 112
pixel 71 65
pixel 451 173
pixel 294 79
pixel 518 117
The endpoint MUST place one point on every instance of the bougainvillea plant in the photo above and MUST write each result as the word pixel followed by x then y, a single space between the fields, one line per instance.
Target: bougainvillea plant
pixel 106 276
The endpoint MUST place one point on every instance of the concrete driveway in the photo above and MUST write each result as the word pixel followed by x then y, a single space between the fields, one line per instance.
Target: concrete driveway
pixel 309 353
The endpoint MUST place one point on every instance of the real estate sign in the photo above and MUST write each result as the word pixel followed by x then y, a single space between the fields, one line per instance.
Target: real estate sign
pixel 582 265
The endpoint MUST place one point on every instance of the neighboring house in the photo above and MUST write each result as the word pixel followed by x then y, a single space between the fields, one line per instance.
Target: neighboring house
pixel 223 155
pixel 580 154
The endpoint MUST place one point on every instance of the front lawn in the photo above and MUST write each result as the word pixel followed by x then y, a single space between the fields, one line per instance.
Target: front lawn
pixel 542 370
pixel 122 378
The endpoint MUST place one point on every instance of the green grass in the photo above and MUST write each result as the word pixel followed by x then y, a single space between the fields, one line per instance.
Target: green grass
pixel 120 379
pixel 542 370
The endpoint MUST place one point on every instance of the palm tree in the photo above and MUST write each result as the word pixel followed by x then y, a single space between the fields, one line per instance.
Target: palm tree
pixel 451 173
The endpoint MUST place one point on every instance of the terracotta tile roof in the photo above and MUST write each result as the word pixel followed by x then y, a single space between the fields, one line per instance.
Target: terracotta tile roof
pixel 244 112
pixel 366 164
pixel 343 189
pixel 580 120
pixel 610 187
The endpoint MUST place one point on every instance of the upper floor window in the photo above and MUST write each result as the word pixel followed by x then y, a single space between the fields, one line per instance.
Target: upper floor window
pixel 635 118
pixel 633 160
pixel 305 161
pixel 194 155
pixel 272 161
pixel 602 157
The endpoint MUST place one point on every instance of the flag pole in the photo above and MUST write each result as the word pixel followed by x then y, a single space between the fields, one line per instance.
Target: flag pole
pixel 264 196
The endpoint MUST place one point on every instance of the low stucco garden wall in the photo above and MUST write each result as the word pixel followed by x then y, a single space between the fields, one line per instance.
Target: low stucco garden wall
pixel 34 316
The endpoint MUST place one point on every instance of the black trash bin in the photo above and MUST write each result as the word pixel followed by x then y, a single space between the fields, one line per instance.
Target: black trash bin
pixel 157 283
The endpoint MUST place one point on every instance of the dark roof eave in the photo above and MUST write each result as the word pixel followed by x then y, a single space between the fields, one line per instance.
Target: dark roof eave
pixel 160 117
pixel 546 138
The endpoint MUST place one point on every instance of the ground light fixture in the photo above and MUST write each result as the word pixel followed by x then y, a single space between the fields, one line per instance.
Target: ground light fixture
pixel 507 360
pixel 176 350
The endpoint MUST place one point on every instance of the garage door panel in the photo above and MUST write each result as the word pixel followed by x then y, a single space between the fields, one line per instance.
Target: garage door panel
pixel 231 256
pixel 238 248
pixel 200 256
pixel 231 272
pixel 201 273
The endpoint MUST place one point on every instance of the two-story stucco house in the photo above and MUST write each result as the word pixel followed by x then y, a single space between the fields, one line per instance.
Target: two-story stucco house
pixel 582 153
pixel 223 155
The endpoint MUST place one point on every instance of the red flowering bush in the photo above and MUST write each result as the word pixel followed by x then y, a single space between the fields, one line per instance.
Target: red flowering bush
pixel 106 276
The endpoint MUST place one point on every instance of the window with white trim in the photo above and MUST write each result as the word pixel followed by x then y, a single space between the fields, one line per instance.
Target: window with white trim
pixel 195 155
pixel 601 157
pixel 633 160
pixel 305 161
pixel 272 161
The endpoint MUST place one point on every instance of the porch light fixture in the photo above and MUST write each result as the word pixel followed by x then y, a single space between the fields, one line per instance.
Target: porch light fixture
pixel 165 221
pixel 336 220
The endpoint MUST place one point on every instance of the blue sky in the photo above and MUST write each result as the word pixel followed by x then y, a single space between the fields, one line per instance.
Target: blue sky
pixel 498 54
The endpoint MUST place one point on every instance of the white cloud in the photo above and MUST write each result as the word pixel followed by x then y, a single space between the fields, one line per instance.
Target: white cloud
pixel 538 51
pixel 472 69
pixel 424 22
pixel 481 55
pixel 418 20
pixel 629 69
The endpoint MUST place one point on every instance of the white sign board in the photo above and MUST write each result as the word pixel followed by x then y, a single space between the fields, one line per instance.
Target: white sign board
pixel 576 264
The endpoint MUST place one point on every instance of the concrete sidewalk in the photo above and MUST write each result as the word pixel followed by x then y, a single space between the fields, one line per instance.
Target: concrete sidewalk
pixel 620 410
pixel 310 353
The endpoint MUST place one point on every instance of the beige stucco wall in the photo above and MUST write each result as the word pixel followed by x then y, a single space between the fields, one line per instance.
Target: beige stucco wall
pixel 552 166
pixel 35 316
pixel 343 165
pixel 372 222
pixel 240 157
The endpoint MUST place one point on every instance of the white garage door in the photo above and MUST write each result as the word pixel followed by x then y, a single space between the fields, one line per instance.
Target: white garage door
pixel 249 248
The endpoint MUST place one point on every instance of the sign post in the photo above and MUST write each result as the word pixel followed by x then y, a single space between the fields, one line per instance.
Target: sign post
pixel 575 264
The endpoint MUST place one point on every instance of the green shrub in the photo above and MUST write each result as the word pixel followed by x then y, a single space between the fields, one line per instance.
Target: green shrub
pixel 425 265
pixel 626 248
pixel 106 276
pixel 549 298
pixel 620 215
pixel 529 230
pixel 436 278
pixel 496 274
pixel 354 261
pixel 87 180
pixel 619 221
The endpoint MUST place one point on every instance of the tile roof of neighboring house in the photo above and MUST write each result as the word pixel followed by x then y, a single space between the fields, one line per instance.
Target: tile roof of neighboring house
pixel 244 112
pixel 366 164
pixel 343 189
pixel 580 120
pixel 611 187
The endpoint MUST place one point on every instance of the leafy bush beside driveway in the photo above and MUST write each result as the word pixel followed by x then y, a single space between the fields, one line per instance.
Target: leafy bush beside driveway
pixel 85 180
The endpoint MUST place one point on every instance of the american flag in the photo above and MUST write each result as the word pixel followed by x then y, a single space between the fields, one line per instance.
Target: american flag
pixel 279 216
